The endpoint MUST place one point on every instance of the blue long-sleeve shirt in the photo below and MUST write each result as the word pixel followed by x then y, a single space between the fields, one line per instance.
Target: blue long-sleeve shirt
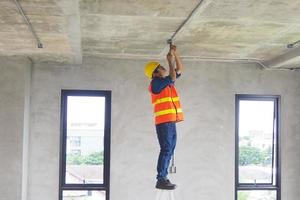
pixel 158 84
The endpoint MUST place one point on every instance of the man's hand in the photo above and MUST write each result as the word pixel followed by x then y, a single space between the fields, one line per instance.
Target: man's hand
pixel 172 71
pixel 173 49
pixel 174 52
pixel 170 57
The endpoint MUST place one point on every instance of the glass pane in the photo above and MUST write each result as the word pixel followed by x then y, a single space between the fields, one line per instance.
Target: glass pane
pixel 85 136
pixel 256 141
pixel 83 195
pixel 257 195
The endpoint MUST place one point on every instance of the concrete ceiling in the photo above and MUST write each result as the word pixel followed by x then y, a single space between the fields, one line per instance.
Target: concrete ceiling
pixel 245 30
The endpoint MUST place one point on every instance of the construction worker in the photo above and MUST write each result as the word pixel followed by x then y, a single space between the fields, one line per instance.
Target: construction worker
pixel 167 111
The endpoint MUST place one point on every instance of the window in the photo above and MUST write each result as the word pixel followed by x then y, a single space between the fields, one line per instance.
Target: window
pixel 85 145
pixel 257 165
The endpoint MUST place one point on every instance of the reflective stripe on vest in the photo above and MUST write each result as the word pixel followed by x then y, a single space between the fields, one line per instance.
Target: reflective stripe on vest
pixel 162 100
pixel 169 111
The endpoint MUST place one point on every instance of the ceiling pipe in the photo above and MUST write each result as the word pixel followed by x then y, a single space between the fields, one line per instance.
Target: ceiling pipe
pixel 39 44
pixel 243 60
pixel 195 58
pixel 220 59
pixel 256 61
pixel 169 41
pixel 250 60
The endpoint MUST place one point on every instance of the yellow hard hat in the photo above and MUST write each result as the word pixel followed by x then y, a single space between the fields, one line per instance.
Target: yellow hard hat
pixel 150 67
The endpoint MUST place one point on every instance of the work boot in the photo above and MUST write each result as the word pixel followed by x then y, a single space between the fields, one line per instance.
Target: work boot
pixel 165 185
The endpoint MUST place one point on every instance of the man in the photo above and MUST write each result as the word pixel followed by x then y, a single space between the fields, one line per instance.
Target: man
pixel 167 111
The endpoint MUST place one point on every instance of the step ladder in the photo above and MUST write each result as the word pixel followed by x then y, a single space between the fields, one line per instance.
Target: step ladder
pixel 165 195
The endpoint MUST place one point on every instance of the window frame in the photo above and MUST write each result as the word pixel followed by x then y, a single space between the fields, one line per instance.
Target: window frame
pixel 105 186
pixel 276 136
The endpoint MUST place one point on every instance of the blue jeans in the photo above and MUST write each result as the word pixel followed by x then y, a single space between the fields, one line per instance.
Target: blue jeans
pixel 166 134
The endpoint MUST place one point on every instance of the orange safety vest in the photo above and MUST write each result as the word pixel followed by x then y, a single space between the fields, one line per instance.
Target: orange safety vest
pixel 166 105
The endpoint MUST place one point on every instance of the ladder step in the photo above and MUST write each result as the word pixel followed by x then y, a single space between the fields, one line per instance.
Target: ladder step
pixel 165 195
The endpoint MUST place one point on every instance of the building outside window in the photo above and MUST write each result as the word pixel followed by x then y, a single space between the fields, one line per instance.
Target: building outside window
pixel 85 145
pixel 73 142
pixel 257 162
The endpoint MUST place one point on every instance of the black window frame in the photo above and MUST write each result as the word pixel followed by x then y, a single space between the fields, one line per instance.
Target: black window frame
pixel 276 136
pixel 107 142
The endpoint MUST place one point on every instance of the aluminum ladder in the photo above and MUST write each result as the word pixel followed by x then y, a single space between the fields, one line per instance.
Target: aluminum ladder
pixel 165 195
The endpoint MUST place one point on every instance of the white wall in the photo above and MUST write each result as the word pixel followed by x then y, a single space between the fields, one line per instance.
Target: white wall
pixel 205 151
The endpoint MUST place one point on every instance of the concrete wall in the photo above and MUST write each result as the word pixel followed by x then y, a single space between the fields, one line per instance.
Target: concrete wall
pixel 13 75
pixel 205 151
